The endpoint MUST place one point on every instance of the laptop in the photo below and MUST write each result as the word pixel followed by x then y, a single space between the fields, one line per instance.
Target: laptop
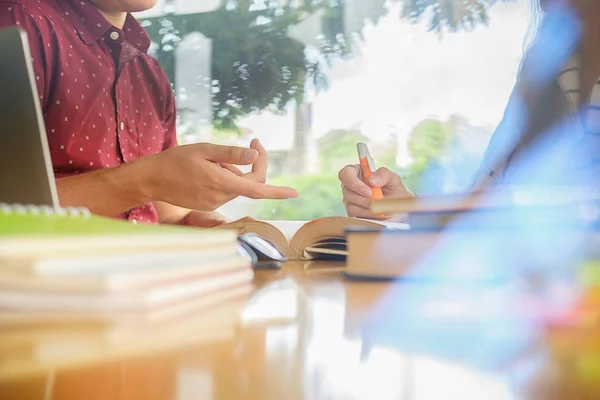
pixel 26 175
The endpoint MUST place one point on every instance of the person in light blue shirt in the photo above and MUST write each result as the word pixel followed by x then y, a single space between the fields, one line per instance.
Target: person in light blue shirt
pixel 550 132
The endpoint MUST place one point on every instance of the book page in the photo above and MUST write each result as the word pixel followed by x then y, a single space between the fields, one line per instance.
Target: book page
pixel 262 228
pixel 288 228
pixel 327 228
pixel 392 224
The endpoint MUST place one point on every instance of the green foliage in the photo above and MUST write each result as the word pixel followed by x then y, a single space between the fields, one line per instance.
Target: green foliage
pixel 451 15
pixel 319 196
pixel 386 156
pixel 433 146
pixel 257 66
pixel 223 134
pixel 338 148
pixel 428 141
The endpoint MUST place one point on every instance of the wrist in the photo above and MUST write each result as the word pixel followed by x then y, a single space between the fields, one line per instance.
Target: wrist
pixel 131 181
pixel 144 179
pixel 109 191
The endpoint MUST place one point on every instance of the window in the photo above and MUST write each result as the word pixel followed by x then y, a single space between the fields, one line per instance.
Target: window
pixel 423 83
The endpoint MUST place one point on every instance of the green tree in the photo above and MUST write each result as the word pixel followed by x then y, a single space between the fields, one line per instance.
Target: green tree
pixel 257 66
pixel 386 155
pixel 449 15
pixel 319 196
pixel 427 143
pixel 338 148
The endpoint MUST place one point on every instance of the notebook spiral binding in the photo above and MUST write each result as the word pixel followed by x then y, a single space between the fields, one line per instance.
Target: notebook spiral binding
pixel 30 209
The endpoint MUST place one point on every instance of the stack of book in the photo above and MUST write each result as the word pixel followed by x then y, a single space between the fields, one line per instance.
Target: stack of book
pixel 544 241
pixel 463 229
pixel 111 282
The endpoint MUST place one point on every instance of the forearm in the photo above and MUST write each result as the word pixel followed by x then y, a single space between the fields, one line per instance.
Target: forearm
pixel 107 192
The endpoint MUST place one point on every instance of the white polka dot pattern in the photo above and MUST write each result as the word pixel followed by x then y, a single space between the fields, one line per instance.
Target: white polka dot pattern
pixel 90 85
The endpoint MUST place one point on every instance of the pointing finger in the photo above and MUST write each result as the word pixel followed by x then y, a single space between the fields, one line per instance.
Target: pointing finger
pixel 256 190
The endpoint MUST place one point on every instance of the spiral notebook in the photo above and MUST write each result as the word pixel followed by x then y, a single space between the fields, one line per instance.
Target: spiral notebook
pixel 41 232
pixel 61 260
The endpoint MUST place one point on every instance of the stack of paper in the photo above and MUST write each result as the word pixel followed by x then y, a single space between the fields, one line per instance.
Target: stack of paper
pixel 110 282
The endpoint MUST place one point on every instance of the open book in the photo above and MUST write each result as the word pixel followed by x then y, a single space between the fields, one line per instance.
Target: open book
pixel 319 238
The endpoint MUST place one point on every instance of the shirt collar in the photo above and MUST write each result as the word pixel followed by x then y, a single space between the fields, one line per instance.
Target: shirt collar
pixel 90 25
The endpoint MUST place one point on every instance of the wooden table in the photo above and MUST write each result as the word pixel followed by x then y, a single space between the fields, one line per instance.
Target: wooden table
pixel 307 333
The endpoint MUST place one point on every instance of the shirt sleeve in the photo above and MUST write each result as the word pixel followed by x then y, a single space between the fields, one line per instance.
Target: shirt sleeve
pixel 503 141
pixel 12 14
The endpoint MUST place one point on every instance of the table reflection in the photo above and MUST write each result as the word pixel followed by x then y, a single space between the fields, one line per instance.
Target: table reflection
pixel 311 335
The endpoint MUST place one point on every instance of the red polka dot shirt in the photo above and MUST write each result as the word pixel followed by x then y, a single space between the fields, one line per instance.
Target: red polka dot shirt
pixel 105 100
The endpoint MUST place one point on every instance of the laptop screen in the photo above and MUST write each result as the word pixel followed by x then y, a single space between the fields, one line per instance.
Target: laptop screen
pixel 26 175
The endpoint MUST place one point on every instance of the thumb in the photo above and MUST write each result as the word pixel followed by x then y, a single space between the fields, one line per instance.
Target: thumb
pixel 389 180
pixel 230 154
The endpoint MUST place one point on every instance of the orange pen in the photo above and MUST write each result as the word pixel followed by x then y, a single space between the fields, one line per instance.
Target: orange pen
pixel 367 166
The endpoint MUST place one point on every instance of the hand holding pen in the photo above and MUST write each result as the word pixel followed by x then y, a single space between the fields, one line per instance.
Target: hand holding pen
pixel 367 169
pixel 361 185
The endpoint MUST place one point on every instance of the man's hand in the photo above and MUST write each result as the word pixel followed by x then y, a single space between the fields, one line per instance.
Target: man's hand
pixel 173 215
pixel 204 176
pixel 205 219
pixel 357 194
pixel 195 177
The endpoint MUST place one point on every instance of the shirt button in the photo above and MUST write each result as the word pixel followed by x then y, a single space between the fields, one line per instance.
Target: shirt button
pixel 114 35
pixel 122 125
